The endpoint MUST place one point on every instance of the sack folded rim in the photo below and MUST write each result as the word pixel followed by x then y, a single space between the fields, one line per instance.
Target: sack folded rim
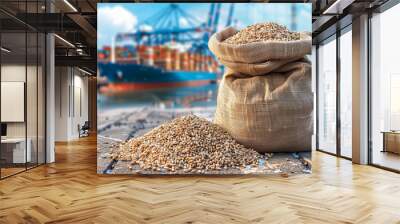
pixel 256 52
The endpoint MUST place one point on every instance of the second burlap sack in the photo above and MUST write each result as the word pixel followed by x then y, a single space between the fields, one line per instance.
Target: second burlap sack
pixel 265 99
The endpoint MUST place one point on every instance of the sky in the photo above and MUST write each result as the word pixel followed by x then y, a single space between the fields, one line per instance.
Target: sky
pixel 115 18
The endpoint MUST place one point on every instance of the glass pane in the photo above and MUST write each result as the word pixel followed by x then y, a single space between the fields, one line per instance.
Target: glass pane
pixel 386 89
pixel 23 80
pixel 31 97
pixel 346 94
pixel 32 87
pixel 13 87
pixel 41 99
pixel 327 96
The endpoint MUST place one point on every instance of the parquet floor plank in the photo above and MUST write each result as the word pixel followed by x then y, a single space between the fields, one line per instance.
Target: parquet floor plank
pixel 70 191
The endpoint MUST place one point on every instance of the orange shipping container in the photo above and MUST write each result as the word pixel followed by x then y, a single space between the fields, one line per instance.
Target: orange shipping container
pixel 192 61
pixel 207 63
pixel 196 62
pixel 167 59
pixel 185 61
pixel 175 59
pixel 163 58
pixel 203 63
pixel 146 55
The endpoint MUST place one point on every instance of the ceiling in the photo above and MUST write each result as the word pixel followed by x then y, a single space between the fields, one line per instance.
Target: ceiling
pixel 76 20
pixel 330 15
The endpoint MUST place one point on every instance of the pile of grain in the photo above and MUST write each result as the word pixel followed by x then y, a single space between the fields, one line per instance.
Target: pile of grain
pixel 263 32
pixel 189 143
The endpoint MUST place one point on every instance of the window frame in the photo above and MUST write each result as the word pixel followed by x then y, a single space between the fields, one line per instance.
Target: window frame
pixel 339 32
pixel 31 30
pixel 380 9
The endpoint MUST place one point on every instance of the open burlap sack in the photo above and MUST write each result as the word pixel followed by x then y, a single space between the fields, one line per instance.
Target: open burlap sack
pixel 265 99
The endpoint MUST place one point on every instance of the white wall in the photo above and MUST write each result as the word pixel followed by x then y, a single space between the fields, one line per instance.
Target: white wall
pixel 71 94
pixel 16 72
pixel 61 103
pixel 13 101
pixel 33 126
pixel 80 110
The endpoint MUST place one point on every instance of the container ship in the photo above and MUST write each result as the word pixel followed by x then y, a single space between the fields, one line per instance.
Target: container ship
pixel 149 67
pixel 163 56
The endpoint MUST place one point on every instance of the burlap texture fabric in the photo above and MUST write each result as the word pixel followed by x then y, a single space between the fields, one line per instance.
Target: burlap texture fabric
pixel 265 99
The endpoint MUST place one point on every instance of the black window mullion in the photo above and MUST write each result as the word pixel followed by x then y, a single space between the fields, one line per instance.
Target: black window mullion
pixel 73 92
pixel 44 79
pixel 69 92
pixel 369 91
pixel 0 95
pixel 37 89
pixel 26 86
pixel 316 96
pixel 46 3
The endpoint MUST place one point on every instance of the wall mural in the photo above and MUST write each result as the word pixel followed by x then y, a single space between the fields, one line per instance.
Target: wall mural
pixel 204 89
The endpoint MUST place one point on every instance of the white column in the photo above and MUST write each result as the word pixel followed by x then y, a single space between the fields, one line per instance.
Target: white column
pixel 360 90
pixel 50 99
pixel 62 103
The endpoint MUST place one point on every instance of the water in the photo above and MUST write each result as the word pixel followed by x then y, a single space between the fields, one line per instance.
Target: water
pixel 180 97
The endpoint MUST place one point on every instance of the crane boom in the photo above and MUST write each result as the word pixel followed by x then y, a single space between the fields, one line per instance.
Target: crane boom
pixel 293 21
pixel 173 24
pixel 230 15
pixel 210 15
pixel 216 17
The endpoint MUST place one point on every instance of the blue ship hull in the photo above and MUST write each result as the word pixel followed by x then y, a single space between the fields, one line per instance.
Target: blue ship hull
pixel 135 76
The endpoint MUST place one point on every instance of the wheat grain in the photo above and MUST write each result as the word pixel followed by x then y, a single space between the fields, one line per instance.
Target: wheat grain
pixel 190 144
pixel 263 32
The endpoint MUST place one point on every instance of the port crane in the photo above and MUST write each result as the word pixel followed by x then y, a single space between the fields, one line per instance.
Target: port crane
pixel 173 24
pixel 166 48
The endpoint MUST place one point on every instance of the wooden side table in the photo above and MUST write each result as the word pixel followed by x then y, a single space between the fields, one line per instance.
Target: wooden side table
pixel 391 141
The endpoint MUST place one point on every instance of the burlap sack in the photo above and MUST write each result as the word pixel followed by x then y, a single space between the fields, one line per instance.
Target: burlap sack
pixel 265 99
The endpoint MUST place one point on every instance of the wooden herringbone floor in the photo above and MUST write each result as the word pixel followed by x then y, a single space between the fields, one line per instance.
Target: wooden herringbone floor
pixel 70 191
